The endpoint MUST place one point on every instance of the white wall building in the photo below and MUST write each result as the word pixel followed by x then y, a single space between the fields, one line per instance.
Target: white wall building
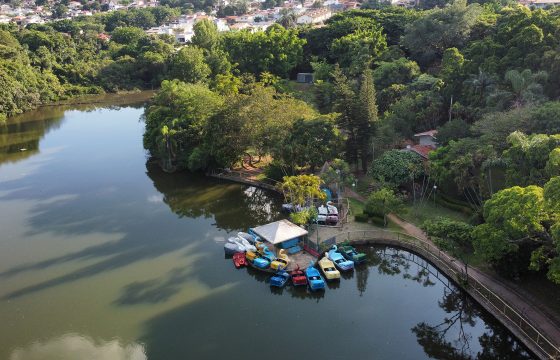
pixel 314 16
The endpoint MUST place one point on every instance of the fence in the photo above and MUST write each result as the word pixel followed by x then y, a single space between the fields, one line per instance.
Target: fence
pixel 537 341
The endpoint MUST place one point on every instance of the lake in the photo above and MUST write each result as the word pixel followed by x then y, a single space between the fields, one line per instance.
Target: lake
pixel 104 256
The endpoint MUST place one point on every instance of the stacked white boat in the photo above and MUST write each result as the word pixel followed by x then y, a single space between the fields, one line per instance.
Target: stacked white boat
pixel 241 243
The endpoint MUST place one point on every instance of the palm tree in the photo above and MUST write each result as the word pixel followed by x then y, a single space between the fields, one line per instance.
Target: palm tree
pixel 522 88
pixel 288 18
pixel 481 83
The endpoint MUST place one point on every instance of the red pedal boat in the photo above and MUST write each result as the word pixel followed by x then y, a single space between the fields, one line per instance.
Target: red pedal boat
pixel 239 259
pixel 298 277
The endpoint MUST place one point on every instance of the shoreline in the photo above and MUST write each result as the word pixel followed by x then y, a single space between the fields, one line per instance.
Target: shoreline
pixel 483 288
pixel 111 99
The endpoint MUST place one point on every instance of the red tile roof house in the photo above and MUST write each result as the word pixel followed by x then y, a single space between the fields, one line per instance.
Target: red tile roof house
pixel 426 143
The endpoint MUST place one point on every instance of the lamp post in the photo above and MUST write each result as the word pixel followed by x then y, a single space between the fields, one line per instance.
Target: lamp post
pixel 435 189
pixel 337 182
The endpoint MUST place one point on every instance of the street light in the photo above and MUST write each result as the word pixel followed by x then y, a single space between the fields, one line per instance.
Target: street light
pixel 435 189
pixel 337 182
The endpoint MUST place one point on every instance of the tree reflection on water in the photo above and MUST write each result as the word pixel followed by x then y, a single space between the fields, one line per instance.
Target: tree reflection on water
pixel 450 338
pixel 392 261
pixel 20 135
pixel 191 195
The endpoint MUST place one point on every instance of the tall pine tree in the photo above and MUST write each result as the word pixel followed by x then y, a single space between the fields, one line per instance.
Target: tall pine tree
pixel 358 114
pixel 365 115
pixel 344 104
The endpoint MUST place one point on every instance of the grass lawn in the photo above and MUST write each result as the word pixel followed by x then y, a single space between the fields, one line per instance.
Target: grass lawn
pixel 427 210
pixel 357 207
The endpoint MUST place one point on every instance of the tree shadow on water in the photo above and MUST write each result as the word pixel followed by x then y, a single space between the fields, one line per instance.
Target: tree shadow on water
pixel 144 233
pixel 157 290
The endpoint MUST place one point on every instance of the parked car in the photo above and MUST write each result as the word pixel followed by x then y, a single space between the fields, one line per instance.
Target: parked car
pixel 322 213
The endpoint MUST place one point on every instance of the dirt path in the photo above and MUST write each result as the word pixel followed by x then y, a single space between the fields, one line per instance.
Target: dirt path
pixel 538 314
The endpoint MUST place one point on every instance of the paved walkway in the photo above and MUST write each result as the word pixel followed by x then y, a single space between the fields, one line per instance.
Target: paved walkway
pixel 543 319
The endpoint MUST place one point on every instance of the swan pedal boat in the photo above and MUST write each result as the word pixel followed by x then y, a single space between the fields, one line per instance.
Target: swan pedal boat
pixel 242 243
pixel 250 238
pixel 231 248
pixel 281 262
pixel 339 261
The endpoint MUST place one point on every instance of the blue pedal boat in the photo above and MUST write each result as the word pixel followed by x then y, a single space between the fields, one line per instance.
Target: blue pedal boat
pixel 279 279
pixel 339 261
pixel 314 279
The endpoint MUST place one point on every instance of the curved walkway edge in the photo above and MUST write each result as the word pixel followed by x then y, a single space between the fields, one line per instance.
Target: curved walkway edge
pixel 522 317
pixel 509 306
pixel 529 325
pixel 531 310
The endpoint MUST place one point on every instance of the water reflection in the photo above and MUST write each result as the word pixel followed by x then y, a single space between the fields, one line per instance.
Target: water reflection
pixel 21 134
pixel 451 338
pixel 233 206
pixel 119 264
pixel 464 332
pixel 73 346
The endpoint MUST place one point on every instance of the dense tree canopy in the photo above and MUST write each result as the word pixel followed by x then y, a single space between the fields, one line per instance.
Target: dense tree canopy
pixel 276 50
pixel 486 76
pixel 520 215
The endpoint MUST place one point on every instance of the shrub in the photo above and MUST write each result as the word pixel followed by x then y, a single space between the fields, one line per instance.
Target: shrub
pixel 275 171
pixel 361 217
pixel 378 220
pixel 465 209
pixel 442 228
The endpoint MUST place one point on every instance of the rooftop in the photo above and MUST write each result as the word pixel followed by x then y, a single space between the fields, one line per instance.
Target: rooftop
pixel 279 231
pixel 422 150
pixel 431 133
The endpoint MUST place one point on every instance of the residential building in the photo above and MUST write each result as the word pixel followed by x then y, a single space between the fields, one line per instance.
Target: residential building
pixel 427 142
pixel 314 16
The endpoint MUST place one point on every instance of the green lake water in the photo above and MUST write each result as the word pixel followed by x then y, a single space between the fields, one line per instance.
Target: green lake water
pixel 103 256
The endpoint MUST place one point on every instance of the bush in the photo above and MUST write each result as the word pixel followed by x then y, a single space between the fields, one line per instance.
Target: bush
pixel 304 217
pixel 378 220
pixel 442 228
pixel 396 167
pixel 361 217
pixel 455 205
pixel 443 244
pixel 275 171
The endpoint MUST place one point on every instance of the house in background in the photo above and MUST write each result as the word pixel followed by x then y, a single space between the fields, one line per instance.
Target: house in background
pixel 305 78
pixel 314 16
pixel 427 142
pixel 540 4
pixel 427 138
